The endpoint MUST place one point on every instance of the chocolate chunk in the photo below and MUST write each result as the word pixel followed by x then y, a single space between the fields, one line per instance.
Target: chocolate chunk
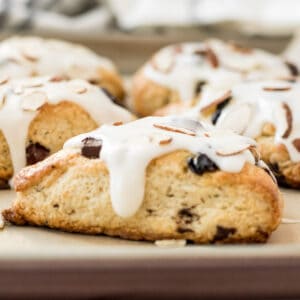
pixel 91 147
pixel 222 233
pixel 187 216
pixel 199 86
pixel 219 110
pixel 110 96
pixel 200 164
pixel 184 230
pixel 292 68
pixel 35 152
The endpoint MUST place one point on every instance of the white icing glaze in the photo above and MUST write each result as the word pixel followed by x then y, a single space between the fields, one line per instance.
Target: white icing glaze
pixel 252 106
pixel 21 100
pixel 128 149
pixel 181 69
pixel 28 56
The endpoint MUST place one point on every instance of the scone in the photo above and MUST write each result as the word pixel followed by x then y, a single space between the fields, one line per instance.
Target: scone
pixel 268 111
pixel 34 56
pixel 37 115
pixel 152 179
pixel 183 72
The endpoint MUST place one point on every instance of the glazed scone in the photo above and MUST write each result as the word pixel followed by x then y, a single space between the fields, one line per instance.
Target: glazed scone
pixel 33 56
pixel 265 110
pixel 184 72
pixel 152 179
pixel 37 115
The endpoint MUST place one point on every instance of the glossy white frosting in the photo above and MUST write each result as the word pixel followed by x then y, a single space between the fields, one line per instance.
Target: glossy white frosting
pixel 33 56
pixel 20 100
pixel 128 149
pixel 179 68
pixel 255 103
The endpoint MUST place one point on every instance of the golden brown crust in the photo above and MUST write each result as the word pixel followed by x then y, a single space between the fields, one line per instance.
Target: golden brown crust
pixel 51 127
pixel 71 193
pixel 148 96
pixel 112 81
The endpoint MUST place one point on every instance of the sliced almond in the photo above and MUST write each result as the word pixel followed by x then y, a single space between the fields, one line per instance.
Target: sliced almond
pixel 29 56
pixel 212 57
pixel 235 152
pixel 240 48
pixel 58 78
pixel 296 143
pixel 276 89
pixel 4 80
pixel 2 100
pixel 175 129
pixel 33 101
pixel 210 108
pixel 289 120
pixel 118 123
pixel 165 141
pixel 292 68
pixel 81 90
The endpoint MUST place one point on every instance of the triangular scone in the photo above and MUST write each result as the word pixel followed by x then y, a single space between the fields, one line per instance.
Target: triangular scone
pixel 184 183
pixel 28 56
pixel 183 73
pixel 38 114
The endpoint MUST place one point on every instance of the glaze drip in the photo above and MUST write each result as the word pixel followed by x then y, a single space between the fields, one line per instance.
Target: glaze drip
pixel 128 149
pixel 20 101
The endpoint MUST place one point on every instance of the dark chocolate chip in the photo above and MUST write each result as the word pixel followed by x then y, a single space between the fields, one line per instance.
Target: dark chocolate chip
pixel 91 147
pixel 35 152
pixel 219 110
pixel 56 205
pixel 201 163
pixel 292 68
pixel 187 216
pixel 184 230
pixel 198 87
pixel 222 233
pixel 111 97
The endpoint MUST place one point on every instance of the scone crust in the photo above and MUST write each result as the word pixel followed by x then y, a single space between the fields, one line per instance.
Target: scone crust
pixel 147 96
pixel 51 127
pixel 178 204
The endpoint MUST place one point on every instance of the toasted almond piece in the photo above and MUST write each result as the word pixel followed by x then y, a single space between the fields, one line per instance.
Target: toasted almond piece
pixel 212 57
pixel 175 129
pixel 2 100
pixel 4 80
pixel 165 141
pixel 240 48
pixel 33 101
pixel 206 134
pixel 118 123
pixel 231 153
pixel 208 109
pixel 33 85
pixel 58 78
pixel 276 89
pixel 81 90
pixel 289 120
pixel 29 56
pixel 296 143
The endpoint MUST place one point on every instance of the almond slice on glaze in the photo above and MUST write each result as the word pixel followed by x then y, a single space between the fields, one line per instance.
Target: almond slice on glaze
pixel 231 153
pixel 33 101
pixel 296 143
pixel 2 100
pixel 210 55
pixel 276 89
pixel 118 123
pixel 165 141
pixel 81 90
pixel 175 129
pixel 289 120
pixel 240 48
pixel 30 57
pixel 208 109
pixel 4 80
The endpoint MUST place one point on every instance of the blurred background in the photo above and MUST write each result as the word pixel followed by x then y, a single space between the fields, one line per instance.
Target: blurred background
pixel 129 31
